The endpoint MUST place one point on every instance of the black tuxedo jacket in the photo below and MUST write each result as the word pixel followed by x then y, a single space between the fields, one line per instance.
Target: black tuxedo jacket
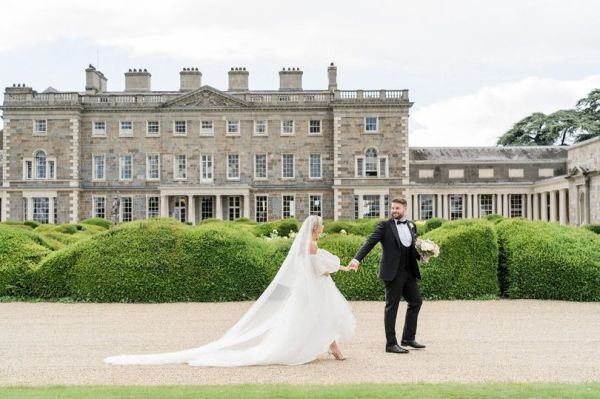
pixel 386 232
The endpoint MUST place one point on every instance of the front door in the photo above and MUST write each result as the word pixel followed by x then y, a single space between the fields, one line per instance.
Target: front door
pixel 180 209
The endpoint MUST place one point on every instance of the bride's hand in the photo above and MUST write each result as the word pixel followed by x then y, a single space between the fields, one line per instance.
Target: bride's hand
pixel 344 268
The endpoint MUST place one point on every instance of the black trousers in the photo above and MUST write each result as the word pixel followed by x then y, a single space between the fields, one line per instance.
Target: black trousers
pixel 403 285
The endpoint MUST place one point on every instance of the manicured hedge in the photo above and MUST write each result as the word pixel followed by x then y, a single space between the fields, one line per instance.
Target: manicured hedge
pixel 549 261
pixel 592 227
pixel 158 260
pixel 20 250
pixel 284 227
pixel 467 265
pixel 431 224
pixel 98 222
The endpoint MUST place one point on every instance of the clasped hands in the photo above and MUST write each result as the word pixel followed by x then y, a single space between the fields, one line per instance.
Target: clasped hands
pixel 353 265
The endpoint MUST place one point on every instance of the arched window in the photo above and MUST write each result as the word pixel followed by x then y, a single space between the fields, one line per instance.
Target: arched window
pixel 371 162
pixel 40 164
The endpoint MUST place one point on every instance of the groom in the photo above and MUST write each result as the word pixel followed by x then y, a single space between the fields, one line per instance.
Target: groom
pixel 399 271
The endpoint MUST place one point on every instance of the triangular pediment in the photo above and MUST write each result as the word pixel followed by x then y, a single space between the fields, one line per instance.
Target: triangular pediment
pixel 205 97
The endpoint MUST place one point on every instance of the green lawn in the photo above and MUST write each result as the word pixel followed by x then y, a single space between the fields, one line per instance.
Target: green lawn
pixel 408 391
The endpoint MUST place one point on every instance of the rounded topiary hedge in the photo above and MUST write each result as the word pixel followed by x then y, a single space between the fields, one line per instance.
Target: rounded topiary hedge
pixel 548 261
pixel 98 222
pixel 467 265
pixel 158 260
pixel 592 227
pixel 284 227
pixel 20 250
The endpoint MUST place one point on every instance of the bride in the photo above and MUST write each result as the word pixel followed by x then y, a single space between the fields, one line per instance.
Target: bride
pixel 299 316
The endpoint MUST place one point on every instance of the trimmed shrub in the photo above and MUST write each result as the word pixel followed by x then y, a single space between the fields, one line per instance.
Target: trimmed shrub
pixel 494 217
pixel 548 261
pixel 592 227
pixel 158 261
pixel 283 227
pixel 431 224
pixel 364 284
pixel 98 222
pixel 19 252
pixel 467 265
pixel 31 223
pixel 360 227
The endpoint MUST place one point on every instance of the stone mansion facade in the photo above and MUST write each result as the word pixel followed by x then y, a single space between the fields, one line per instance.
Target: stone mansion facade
pixel 200 153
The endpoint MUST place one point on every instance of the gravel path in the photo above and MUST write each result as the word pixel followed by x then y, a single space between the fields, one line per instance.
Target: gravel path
pixel 468 341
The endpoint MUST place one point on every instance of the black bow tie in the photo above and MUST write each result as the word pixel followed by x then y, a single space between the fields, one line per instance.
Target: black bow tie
pixel 401 221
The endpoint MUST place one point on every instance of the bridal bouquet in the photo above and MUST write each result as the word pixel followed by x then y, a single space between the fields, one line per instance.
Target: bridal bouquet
pixel 427 248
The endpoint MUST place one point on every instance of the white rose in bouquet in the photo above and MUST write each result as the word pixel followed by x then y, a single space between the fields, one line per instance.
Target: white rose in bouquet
pixel 427 248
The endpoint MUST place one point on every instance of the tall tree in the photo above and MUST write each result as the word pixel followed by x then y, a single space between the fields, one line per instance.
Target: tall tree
pixel 561 127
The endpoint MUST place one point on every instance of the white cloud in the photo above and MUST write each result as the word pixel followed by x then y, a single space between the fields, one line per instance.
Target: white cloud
pixel 480 118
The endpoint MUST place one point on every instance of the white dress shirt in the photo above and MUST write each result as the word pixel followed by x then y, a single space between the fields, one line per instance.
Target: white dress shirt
pixel 403 232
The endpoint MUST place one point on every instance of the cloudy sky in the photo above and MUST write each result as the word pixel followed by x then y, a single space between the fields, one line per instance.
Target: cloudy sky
pixel 473 68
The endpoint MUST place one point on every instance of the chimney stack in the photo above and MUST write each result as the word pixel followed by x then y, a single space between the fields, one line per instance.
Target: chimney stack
pixel 332 77
pixel 290 79
pixel 95 81
pixel 238 79
pixel 137 80
pixel 190 79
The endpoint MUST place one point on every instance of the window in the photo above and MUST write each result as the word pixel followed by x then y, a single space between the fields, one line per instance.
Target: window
pixel 382 166
pixel 152 128
pixel 180 128
pixel 40 165
pixel 126 128
pixel 152 207
pixel 99 128
pixel 98 167
pixel 207 127
pixel 314 126
pixel 315 166
pixel 260 127
pixel 206 174
pixel 288 206
pixel 28 169
pixel 360 167
pixel 207 207
pixel 41 210
pixel 40 126
pixel 234 207
pixel 456 206
pixel 233 166
pixel 125 167
pixel 287 165
pixel 516 205
pixel 180 167
pixel 386 205
pixel 126 209
pixel 371 162
pixel 24 207
pixel 356 203
pixel 426 206
pixel 99 204
pixel 486 205
pixel 261 208
pixel 233 127
pixel 260 166
pixel 287 127
pixel 371 208
pixel 371 124
pixel 153 167
pixel 314 204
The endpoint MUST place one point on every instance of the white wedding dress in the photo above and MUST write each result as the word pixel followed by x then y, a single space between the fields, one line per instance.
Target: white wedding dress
pixel 294 320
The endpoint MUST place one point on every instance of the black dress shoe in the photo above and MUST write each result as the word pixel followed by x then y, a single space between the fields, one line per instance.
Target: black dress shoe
pixel 395 349
pixel 413 344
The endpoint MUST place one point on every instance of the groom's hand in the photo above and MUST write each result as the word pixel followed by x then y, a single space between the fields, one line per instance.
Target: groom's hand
pixel 353 265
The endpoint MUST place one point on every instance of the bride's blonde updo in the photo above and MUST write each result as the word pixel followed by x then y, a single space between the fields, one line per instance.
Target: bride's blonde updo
pixel 318 222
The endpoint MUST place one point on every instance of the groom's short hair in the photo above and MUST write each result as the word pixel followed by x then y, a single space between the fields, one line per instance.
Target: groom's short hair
pixel 399 201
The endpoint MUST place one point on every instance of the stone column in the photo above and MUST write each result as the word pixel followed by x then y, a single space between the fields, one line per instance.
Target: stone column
pixel 529 206
pixel 438 209
pixel 562 196
pixel 246 199
pixel 191 216
pixel 164 206
pixel 219 207
pixel 476 205
pixel 29 208
pixel 469 213
pixel 446 214
pixel 553 207
pixel 543 206
pixel 505 205
pixel 536 206
pixel 51 204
